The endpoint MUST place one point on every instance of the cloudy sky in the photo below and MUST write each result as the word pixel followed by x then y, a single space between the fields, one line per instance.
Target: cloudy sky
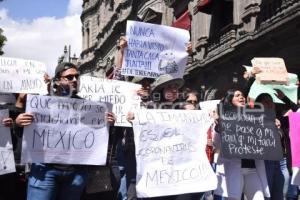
pixel 39 29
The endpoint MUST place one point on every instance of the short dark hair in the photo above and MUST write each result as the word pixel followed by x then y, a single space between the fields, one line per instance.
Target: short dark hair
pixel 62 67
pixel 260 97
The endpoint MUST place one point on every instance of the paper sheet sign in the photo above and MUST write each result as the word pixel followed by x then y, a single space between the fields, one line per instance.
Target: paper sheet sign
pixel 22 76
pixel 65 130
pixel 7 162
pixel 154 50
pixel 122 95
pixel 170 152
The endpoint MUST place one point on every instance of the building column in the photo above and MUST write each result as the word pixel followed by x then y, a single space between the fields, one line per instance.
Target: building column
pixel 250 10
pixel 200 30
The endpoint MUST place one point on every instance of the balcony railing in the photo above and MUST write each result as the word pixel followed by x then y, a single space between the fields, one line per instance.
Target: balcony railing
pixel 221 41
pixel 271 11
pixel 269 15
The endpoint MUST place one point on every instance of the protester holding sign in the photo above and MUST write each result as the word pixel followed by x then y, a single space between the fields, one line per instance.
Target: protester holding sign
pixel 191 99
pixel 8 177
pixel 59 180
pixel 274 168
pixel 237 176
pixel 153 52
pixel 289 191
pixel 165 95
pixel 129 147
pixel 13 181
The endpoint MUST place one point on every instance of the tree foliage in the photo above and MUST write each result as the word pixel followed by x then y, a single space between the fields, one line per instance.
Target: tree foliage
pixel 2 40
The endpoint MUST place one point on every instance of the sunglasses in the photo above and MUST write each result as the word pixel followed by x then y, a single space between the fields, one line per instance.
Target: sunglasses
pixel 192 102
pixel 71 77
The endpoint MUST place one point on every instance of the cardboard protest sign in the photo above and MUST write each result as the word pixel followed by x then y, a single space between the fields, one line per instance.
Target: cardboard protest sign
pixel 65 130
pixel 273 70
pixel 7 161
pixel 154 50
pixel 289 90
pixel 170 152
pixel 22 76
pixel 249 134
pixel 294 119
pixel 122 95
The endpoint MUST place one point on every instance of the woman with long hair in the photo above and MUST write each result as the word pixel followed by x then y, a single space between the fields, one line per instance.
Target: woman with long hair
pixel 239 176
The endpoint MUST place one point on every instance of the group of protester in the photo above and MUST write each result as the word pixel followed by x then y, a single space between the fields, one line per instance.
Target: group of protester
pixel 254 179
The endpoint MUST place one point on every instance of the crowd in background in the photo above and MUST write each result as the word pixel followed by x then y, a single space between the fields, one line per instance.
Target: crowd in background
pixel 237 178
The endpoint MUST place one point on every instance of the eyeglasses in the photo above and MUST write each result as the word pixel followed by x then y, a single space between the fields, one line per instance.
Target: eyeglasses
pixel 71 77
pixel 192 101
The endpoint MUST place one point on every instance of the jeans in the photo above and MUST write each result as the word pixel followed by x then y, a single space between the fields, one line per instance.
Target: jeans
pixel 286 175
pixel 275 179
pixel 48 183
pixel 130 169
pixel 122 193
pixel 218 197
pixel 292 192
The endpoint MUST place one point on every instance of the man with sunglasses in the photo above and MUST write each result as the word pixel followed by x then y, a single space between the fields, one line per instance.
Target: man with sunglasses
pixel 65 82
pixel 58 181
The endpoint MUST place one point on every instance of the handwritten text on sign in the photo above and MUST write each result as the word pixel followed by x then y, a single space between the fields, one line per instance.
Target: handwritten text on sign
pixel 249 135
pixel 154 50
pixel 22 76
pixel 170 152
pixel 7 162
pixel 120 94
pixel 65 130
pixel 273 70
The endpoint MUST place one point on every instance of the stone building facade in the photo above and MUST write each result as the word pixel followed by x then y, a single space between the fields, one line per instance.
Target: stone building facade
pixel 225 35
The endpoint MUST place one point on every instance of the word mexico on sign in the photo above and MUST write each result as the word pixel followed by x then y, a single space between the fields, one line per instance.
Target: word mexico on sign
pixel 154 50
pixel 65 130
pixel 7 161
pixel 170 152
pixel 122 95
pixel 22 76
pixel 249 135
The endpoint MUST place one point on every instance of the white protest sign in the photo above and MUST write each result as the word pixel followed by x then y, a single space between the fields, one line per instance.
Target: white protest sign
pixel 209 105
pixel 65 130
pixel 122 95
pixel 170 152
pixel 154 50
pixel 22 76
pixel 7 161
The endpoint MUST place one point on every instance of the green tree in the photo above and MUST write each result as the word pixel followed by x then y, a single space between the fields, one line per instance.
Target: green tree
pixel 2 40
